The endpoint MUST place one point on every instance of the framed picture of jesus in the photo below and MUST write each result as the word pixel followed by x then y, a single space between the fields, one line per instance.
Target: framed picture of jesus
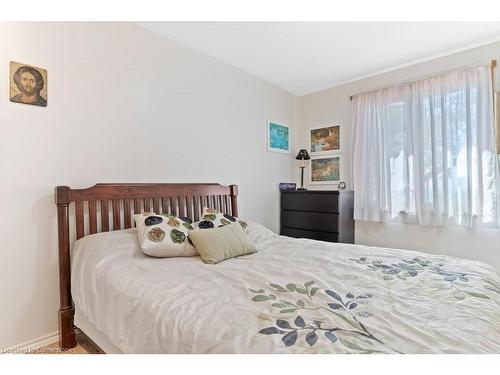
pixel 28 84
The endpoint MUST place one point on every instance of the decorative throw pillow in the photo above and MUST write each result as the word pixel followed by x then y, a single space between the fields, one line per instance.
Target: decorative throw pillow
pixel 211 218
pixel 164 235
pixel 217 244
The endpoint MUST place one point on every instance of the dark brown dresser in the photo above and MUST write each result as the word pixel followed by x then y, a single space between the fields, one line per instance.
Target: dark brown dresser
pixel 318 215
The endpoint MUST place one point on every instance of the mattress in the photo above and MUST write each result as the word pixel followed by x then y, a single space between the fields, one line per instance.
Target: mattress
pixel 292 296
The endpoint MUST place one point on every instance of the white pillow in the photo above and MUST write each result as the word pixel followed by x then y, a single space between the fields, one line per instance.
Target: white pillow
pixel 164 235
pixel 211 218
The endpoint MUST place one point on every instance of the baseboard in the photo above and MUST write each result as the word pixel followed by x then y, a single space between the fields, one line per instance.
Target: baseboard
pixel 32 345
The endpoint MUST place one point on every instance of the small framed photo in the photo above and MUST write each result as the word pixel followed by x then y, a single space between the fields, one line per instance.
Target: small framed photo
pixel 28 84
pixel 326 170
pixel 324 140
pixel 278 137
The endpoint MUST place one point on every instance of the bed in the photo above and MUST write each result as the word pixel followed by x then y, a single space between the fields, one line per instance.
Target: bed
pixel 292 296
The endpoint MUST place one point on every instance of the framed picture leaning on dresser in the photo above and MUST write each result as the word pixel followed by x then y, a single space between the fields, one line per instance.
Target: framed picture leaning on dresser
pixel 326 170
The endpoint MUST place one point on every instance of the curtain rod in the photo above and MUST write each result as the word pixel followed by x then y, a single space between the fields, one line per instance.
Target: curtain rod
pixel 493 64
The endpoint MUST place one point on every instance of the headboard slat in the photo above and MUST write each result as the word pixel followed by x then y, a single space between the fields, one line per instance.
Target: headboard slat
pixel 147 204
pixel 156 205
pixel 126 213
pixel 137 206
pixel 183 210
pixel 173 206
pixel 228 205
pixel 104 215
pixel 196 213
pixel 222 204
pixel 189 206
pixel 80 229
pixel 165 205
pixel 92 217
pixel 116 215
pixel 180 207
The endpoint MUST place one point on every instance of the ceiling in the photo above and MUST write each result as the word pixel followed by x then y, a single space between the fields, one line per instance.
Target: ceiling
pixel 305 57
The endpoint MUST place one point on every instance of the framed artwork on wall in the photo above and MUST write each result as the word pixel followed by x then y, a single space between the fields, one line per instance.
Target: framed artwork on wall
pixel 28 84
pixel 278 137
pixel 326 170
pixel 324 140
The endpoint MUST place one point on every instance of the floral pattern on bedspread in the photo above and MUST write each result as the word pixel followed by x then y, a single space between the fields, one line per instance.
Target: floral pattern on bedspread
pixel 344 310
pixel 461 284
pixel 347 326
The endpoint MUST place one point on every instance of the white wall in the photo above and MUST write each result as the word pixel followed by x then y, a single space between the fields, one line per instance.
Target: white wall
pixel 332 106
pixel 124 105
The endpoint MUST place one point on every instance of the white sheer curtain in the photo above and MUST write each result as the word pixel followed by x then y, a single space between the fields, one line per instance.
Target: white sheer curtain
pixel 382 154
pixel 425 152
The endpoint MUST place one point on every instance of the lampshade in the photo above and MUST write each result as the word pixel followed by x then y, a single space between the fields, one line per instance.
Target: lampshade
pixel 303 155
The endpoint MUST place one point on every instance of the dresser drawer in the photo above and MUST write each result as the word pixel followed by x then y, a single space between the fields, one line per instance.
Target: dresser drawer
pixel 315 221
pixel 313 235
pixel 321 202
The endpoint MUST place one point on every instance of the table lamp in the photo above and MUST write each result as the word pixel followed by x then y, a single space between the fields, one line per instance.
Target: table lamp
pixel 302 156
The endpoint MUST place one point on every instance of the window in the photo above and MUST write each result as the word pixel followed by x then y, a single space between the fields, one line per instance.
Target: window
pixel 425 152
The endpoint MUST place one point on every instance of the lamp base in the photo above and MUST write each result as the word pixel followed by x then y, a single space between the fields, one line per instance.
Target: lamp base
pixel 302 178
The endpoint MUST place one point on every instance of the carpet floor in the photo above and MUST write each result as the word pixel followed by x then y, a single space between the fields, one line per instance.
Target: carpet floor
pixel 84 346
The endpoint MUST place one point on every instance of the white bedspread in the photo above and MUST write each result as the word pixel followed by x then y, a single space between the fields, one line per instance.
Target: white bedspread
pixel 293 296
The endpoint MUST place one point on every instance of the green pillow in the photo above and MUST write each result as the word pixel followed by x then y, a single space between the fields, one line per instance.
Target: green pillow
pixel 218 244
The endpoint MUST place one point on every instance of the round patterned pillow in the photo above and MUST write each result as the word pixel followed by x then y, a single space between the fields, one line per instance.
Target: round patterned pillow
pixel 164 235
pixel 211 218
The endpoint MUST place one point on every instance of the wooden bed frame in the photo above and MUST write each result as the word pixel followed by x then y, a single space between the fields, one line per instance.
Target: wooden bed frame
pixel 119 202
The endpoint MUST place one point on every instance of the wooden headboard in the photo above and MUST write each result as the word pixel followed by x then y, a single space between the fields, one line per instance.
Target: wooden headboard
pixel 105 207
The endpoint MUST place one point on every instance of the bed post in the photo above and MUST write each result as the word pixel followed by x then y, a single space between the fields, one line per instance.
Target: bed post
pixel 67 338
pixel 234 200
